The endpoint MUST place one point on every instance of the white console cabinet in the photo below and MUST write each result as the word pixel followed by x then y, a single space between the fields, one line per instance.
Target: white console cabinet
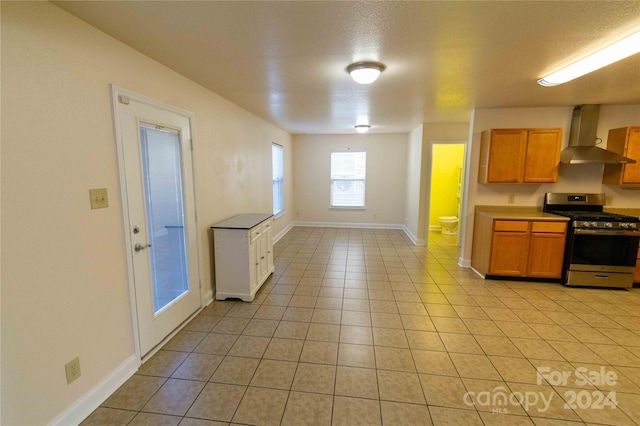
pixel 243 255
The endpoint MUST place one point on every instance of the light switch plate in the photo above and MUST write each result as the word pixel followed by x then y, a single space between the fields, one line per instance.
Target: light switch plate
pixel 99 198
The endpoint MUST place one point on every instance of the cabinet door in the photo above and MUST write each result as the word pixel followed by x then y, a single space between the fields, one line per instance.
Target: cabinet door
pixel 509 253
pixel 506 155
pixel 546 254
pixel 254 265
pixel 542 155
pixel 631 172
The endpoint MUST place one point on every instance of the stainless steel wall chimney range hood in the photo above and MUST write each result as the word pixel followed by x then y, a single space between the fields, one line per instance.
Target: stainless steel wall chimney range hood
pixel 582 147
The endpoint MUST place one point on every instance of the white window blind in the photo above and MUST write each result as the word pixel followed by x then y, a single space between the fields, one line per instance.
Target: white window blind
pixel 348 174
pixel 277 167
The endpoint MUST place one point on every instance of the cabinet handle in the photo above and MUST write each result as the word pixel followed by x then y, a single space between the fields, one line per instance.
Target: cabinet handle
pixel 262 257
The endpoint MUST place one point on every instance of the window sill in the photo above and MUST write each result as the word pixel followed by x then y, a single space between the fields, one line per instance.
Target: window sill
pixel 279 215
pixel 346 208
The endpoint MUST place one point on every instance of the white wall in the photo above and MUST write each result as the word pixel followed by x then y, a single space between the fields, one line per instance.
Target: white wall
pixel 413 181
pixel 571 178
pixel 385 185
pixel 64 282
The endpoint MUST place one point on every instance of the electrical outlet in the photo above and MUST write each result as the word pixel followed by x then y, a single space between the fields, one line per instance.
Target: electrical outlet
pixel 511 199
pixel 99 198
pixel 72 369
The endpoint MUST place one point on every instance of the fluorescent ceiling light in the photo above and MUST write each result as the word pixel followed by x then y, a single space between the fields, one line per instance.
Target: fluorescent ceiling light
pixel 616 52
pixel 365 72
pixel 362 128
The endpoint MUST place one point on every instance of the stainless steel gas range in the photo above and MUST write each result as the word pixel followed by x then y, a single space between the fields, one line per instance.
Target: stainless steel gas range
pixel 601 247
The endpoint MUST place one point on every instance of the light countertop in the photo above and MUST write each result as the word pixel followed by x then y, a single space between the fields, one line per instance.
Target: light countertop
pixel 243 221
pixel 518 213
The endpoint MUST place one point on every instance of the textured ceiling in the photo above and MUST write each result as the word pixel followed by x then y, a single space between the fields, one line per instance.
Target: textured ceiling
pixel 285 61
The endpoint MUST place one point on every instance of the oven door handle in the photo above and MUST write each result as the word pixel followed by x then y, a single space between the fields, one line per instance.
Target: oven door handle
pixel 603 232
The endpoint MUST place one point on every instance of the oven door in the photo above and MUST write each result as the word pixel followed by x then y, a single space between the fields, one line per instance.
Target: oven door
pixel 602 250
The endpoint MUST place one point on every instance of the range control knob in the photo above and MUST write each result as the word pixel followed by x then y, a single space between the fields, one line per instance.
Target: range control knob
pixel 608 225
pixel 586 224
pixel 594 224
pixel 625 225
pixel 633 225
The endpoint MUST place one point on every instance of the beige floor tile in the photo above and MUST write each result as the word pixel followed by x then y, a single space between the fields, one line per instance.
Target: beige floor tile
pixel 396 359
pixel 427 340
pixel 319 352
pixel 480 327
pixel 358 305
pixel 411 308
pixel 261 406
pixel 548 405
pixel 400 387
pixel 109 416
pixel 433 362
pixel 518 370
pixel 497 419
pixel 470 312
pixel 536 348
pixel 381 295
pixel 198 367
pixel 495 345
pixel 260 327
pixel 162 364
pixel 270 312
pixel 134 393
pixel 592 409
pixel 144 419
pixel 442 416
pixel 492 397
pixel 284 349
pixel 576 352
pixel 356 355
pixel 461 343
pixel 444 391
pixel 356 382
pixel 203 323
pixel 389 337
pixel 274 374
pixel 174 397
pixel 316 378
pixel 449 325
pixel 402 414
pixel 417 322
pixel 552 332
pixel 356 334
pixel 327 316
pixel 291 330
pixel 298 314
pixel 517 329
pixel 329 302
pixel 323 332
pixel 362 319
pixel 382 320
pixel 615 355
pixel 230 325
pixel 474 366
pixel 217 344
pixel 249 346
pixel 349 411
pixel 308 409
pixel 217 402
pixel 235 370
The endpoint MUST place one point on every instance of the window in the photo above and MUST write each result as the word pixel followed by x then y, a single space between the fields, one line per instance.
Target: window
pixel 277 167
pixel 348 171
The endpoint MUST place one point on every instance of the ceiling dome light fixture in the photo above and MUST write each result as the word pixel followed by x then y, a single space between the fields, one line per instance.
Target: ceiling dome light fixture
pixel 616 52
pixel 362 128
pixel 365 72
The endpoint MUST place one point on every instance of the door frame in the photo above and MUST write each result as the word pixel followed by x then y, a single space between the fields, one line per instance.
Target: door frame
pixel 116 94
pixel 465 189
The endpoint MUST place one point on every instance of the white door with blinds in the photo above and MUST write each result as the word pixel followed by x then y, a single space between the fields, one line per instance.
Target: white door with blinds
pixel 154 147
pixel 348 176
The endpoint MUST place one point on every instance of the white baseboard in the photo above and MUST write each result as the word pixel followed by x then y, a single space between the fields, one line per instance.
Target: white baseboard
pixel 208 298
pixel 87 403
pixel 477 273
pixel 417 241
pixel 465 263
pixel 350 225
pixel 282 233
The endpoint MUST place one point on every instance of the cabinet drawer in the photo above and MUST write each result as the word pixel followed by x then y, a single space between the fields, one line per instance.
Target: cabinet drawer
pixel 511 226
pixel 256 232
pixel 555 227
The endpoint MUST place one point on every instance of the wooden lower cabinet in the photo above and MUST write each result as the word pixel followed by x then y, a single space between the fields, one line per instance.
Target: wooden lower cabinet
pixel 519 248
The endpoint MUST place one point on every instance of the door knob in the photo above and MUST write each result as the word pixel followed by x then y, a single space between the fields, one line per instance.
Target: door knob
pixel 139 247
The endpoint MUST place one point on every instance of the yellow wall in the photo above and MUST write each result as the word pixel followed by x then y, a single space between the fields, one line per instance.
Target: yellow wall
pixel 446 160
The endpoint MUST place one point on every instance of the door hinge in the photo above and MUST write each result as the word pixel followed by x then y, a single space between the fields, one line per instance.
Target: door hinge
pixel 123 100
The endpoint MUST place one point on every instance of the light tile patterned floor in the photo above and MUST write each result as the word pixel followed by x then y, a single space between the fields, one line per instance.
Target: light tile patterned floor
pixel 361 327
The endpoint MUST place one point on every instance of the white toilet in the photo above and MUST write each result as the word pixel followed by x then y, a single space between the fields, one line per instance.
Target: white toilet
pixel 449 225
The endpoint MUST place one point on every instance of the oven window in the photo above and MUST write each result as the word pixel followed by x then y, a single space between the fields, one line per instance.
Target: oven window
pixel 610 250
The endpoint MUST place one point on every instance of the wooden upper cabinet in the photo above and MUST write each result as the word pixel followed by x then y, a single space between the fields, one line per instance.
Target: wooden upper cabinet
pixel 624 141
pixel 519 155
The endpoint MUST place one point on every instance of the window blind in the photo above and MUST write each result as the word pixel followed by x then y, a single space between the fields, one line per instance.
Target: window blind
pixel 348 175
pixel 277 167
